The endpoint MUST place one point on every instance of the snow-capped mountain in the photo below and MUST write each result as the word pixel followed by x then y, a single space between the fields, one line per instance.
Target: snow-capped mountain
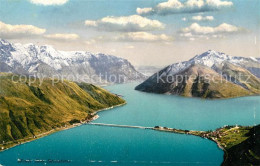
pixel 209 75
pixel 45 61
pixel 212 58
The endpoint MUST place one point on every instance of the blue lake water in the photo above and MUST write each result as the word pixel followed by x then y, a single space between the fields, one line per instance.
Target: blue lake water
pixel 101 146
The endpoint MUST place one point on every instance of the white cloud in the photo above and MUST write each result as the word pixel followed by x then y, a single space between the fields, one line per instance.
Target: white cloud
pixel 17 31
pixel 202 18
pixel 174 4
pixel 132 37
pixel 48 2
pixel 207 32
pixel 195 28
pixel 144 36
pixel 184 19
pixel 8 31
pixel 187 34
pixel 219 3
pixel 131 23
pixel 190 6
pixel 59 36
pixel 91 23
pixel 144 10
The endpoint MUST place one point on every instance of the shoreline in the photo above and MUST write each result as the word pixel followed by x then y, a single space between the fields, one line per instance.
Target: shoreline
pixel 195 133
pixel 41 135
pixel 210 135
pixel 109 108
pixel 179 131
pixel 201 98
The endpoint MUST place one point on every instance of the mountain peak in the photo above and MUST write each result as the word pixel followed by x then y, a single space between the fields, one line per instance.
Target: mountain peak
pixel 211 53
pixel 210 57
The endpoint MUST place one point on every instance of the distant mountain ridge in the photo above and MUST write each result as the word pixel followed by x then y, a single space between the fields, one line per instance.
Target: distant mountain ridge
pixel 209 75
pixel 80 66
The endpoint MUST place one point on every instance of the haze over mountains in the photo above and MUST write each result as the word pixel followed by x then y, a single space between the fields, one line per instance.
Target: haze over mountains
pixel 209 75
pixel 148 70
pixel 45 61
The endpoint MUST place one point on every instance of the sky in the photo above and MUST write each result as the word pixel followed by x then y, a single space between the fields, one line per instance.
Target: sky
pixel 146 32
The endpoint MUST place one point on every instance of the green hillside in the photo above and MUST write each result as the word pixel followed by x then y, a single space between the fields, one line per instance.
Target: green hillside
pixel 27 110
pixel 242 145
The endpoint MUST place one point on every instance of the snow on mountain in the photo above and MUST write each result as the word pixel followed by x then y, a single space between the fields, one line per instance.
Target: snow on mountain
pixel 209 75
pixel 47 61
pixel 212 58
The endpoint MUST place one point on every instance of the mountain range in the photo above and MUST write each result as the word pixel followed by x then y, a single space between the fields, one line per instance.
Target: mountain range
pixel 209 75
pixel 80 66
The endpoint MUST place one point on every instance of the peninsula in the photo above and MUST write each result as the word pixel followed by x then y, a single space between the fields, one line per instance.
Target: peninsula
pixel 240 144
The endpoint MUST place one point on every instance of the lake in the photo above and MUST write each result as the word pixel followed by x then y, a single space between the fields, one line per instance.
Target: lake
pixel 101 145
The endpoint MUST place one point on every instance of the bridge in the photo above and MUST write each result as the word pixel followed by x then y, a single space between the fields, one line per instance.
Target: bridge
pixel 116 125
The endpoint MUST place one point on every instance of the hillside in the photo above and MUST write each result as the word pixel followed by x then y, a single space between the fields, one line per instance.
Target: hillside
pixel 80 66
pixel 27 110
pixel 205 77
pixel 243 148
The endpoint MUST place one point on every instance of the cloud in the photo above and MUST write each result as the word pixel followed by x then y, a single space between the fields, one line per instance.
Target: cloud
pixel 48 2
pixel 131 23
pixel 202 18
pixel 143 37
pixel 17 31
pixel 190 6
pixel 91 23
pixel 60 36
pixel 8 31
pixel 132 37
pixel 195 28
pixel 197 31
pixel 144 10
